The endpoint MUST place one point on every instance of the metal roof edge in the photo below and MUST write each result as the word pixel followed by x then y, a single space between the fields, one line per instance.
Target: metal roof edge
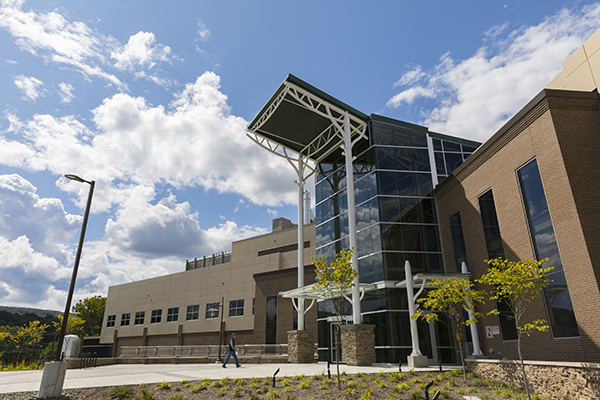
pixel 313 90
pixel 319 93
pixel 392 121
pixel 454 139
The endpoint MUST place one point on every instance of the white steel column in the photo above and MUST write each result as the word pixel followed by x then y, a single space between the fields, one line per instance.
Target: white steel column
pixel 414 333
pixel 352 218
pixel 473 326
pixel 300 183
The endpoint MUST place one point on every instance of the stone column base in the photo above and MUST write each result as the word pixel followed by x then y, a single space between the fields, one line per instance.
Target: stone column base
pixel 301 347
pixel 358 344
pixel 53 379
pixel 417 361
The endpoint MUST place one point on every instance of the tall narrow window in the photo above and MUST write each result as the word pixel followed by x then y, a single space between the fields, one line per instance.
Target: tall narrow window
pixel 491 228
pixel 271 327
pixel 495 249
pixel 541 230
pixel 458 240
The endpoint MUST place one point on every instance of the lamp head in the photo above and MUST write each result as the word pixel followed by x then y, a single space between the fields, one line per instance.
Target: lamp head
pixel 74 178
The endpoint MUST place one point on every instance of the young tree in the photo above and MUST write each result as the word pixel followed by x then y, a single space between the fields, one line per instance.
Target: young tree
pixel 335 281
pixel 74 325
pixel 452 297
pixel 517 284
pixel 91 310
pixel 28 335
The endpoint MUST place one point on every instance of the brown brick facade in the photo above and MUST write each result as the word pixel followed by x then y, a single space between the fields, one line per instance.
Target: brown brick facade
pixel 271 283
pixel 563 134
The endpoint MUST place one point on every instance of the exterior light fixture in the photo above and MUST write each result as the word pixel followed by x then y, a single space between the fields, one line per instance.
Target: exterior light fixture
pixel 53 377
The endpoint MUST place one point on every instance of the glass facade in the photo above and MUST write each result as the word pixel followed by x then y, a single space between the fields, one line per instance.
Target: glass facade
pixel 396 220
pixel 541 230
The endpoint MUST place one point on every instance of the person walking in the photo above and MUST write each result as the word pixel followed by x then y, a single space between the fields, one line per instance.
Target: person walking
pixel 232 351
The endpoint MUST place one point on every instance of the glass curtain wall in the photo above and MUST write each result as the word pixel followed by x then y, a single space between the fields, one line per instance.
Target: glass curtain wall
pixel 541 230
pixel 396 220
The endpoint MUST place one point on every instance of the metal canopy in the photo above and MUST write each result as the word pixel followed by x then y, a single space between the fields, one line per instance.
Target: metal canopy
pixel 419 278
pixel 310 292
pixel 304 120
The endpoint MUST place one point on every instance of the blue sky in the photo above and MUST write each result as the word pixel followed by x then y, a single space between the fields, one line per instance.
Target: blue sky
pixel 151 100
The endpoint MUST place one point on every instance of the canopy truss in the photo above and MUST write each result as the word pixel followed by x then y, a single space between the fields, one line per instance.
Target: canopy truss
pixel 306 121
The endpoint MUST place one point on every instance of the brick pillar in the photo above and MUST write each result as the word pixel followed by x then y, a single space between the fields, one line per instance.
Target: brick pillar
pixel 180 335
pixel 145 337
pixel 301 347
pixel 358 344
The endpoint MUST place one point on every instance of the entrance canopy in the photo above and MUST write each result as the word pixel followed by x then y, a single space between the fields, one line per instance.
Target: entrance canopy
pixel 419 279
pixel 311 292
pixel 304 120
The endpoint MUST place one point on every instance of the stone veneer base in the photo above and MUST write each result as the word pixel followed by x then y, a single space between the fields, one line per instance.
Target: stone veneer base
pixel 301 347
pixel 358 344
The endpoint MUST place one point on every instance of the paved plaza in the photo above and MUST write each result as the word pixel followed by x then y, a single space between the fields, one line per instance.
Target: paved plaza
pixel 135 374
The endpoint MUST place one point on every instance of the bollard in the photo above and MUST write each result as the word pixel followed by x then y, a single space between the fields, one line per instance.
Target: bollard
pixel 276 372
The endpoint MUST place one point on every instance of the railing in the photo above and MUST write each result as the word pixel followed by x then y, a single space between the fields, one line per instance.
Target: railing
pixel 215 259
pixel 88 360
pixel 246 350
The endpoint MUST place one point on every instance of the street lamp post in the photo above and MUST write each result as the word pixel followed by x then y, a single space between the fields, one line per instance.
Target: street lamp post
pixel 63 328
pixel 53 377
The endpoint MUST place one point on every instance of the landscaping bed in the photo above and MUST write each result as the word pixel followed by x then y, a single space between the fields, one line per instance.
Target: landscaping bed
pixel 383 385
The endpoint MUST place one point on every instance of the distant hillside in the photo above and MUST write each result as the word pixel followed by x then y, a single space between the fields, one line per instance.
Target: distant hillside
pixel 36 311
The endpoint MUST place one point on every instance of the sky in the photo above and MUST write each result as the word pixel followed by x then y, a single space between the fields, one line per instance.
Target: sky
pixel 151 99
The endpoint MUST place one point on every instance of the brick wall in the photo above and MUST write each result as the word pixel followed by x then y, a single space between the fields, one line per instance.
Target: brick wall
pixel 562 134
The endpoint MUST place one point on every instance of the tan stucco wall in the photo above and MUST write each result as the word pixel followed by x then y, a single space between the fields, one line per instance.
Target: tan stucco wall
pixel 581 71
pixel 233 281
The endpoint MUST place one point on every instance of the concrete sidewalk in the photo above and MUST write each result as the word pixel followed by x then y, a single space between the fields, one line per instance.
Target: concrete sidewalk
pixel 135 374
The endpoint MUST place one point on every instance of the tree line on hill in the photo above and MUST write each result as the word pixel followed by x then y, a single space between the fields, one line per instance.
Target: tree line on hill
pixel 30 338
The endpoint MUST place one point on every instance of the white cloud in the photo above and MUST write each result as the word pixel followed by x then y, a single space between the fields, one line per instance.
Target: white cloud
pixel 58 40
pixel 66 92
pixel 29 85
pixel 474 97
pixel 140 52
pixel 203 32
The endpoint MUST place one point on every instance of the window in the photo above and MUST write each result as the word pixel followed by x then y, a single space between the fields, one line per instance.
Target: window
pixel 495 249
pixel 173 314
pixel 212 310
pixel 491 228
pixel 139 318
pixel 156 316
pixel 110 321
pixel 541 231
pixel 271 323
pixel 125 318
pixel 458 240
pixel 236 308
pixel 192 312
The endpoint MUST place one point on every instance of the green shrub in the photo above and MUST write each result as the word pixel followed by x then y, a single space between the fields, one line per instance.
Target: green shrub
pixel 359 374
pixel 272 395
pixel 198 387
pixel 352 384
pixel 222 391
pixel 416 395
pixel 301 377
pixel 254 385
pixel 121 393
pixel 145 395
pixel 304 384
pixel 367 394
pixel 349 392
pixel 396 376
pixel 237 393
pixel 216 384
pixel 401 387
pixel 456 372
pixel 286 382
pixel 265 389
pixel 417 380
pixel 324 386
pixel 380 384
pixel 239 381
